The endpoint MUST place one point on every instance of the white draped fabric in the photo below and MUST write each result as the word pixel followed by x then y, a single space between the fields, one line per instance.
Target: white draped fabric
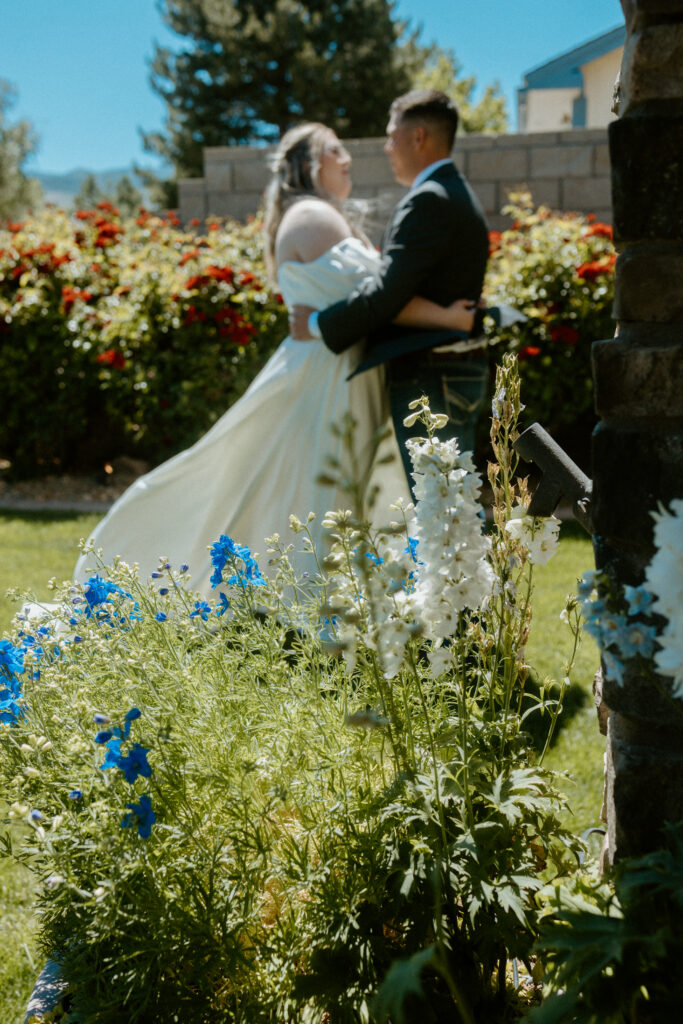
pixel 261 460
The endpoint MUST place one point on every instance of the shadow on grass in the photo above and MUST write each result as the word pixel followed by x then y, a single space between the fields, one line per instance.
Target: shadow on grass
pixel 50 515
pixel 537 724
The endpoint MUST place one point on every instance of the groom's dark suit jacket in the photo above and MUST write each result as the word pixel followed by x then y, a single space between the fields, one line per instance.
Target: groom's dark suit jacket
pixel 436 246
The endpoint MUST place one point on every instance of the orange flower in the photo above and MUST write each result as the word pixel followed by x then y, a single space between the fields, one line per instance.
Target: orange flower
pixel 112 357
pixel 599 229
pixel 495 238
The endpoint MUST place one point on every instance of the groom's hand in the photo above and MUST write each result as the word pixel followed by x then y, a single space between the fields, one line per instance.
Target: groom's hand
pixel 298 323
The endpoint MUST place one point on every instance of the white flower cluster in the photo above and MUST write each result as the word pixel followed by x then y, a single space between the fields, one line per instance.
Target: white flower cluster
pixel 421 583
pixel 664 578
pixel 453 571
pixel 540 537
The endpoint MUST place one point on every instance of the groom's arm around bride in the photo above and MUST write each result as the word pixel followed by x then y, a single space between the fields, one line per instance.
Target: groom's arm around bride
pixel 435 246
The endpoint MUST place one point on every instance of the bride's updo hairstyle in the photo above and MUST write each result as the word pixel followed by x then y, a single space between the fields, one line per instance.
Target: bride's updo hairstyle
pixel 296 173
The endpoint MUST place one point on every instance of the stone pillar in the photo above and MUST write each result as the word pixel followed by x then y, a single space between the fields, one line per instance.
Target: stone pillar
pixel 638 445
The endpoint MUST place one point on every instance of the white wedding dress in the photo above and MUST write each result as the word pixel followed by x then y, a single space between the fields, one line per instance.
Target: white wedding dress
pixel 261 460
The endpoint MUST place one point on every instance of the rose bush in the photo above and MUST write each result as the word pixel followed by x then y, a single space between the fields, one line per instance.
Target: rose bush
pixel 125 336
pixel 559 271
pixel 133 336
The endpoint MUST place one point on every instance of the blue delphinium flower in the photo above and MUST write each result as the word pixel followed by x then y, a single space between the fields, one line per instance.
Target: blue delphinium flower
pixel 11 667
pixel 113 754
pixel 639 600
pixel 103 736
pixel 161 616
pixel 75 794
pixel 142 815
pixel 638 639
pixel 201 609
pixel 11 659
pixel 223 605
pixel 135 763
pixel 225 551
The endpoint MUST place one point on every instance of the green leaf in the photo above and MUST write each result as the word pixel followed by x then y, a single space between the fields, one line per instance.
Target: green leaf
pixel 400 983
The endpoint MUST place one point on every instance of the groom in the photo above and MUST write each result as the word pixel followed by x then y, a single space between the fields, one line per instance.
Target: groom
pixel 436 246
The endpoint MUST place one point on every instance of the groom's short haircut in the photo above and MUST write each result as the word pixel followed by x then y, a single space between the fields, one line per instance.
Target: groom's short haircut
pixel 432 107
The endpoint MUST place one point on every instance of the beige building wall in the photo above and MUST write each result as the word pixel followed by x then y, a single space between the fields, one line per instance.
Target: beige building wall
pixel 599 77
pixel 549 110
pixel 562 170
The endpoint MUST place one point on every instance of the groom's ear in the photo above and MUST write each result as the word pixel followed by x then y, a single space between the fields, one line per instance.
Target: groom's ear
pixel 420 134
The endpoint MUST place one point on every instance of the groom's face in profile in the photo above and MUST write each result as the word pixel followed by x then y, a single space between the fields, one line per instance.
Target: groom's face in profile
pixel 401 147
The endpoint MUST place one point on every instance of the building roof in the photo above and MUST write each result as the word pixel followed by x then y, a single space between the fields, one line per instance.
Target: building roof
pixel 564 72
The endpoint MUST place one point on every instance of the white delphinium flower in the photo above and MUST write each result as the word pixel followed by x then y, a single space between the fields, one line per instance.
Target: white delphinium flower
pixel 664 579
pixel 454 572
pixel 539 536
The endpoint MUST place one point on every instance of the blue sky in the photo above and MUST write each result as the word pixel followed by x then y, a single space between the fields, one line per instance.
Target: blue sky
pixel 80 67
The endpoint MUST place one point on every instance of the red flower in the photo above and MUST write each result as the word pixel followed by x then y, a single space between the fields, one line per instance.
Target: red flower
pixel 191 254
pixel 85 214
pixel 109 207
pixel 495 238
pixel 591 271
pixel 195 222
pixel 564 333
pixel 112 357
pixel 247 278
pixel 71 295
pixel 14 227
pixel 600 229
pixel 528 352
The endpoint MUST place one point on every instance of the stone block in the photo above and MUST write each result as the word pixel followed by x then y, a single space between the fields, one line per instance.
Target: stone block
pixel 636 382
pixel 546 192
pixel 249 175
pixel 560 161
pixel 191 199
pixel 586 193
pixel 651 66
pixel 369 169
pixel 635 466
pixel 643 787
pixel 238 205
pixel 601 164
pixel 647 177
pixel 649 283
pixel 218 175
pixel 488 195
pixel 490 165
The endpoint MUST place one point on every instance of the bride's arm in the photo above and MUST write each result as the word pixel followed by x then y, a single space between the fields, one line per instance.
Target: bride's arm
pixel 419 312
pixel 307 230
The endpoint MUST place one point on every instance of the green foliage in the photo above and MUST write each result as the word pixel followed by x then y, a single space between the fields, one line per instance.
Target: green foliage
pixel 125 336
pixel 613 951
pixel 248 71
pixel 300 865
pixel 438 68
pixel 559 271
pixel 17 142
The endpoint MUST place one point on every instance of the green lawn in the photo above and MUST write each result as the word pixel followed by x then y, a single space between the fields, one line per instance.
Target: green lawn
pixel 36 547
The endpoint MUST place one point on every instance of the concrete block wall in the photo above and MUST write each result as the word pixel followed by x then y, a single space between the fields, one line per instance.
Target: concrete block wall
pixel 563 170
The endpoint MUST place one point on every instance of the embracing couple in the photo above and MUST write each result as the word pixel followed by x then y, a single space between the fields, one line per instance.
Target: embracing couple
pixel 395 323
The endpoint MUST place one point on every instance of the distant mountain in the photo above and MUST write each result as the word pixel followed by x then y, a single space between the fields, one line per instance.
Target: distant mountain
pixel 63 188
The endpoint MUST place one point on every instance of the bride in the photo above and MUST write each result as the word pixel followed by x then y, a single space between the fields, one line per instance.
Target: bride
pixel 261 461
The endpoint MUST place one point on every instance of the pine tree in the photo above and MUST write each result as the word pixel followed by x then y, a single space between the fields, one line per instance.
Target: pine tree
pixel 436 68
pixel 17 141
pixel 89 194
pixel 252 69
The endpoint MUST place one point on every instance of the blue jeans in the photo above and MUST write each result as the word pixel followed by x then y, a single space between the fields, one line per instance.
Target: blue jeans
pixel 455 384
